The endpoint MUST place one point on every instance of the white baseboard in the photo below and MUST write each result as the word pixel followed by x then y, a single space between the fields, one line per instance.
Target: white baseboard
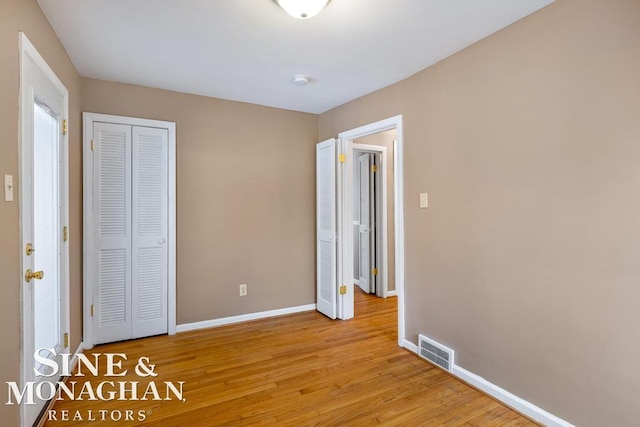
pixel 510 399
pixel 392 294
pixel 410 346
pixel 243 318
pixel 524 407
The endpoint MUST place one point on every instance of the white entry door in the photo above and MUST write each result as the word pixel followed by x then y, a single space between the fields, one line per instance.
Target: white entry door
pixel 128 264
pixel 44 213
pixel 326 228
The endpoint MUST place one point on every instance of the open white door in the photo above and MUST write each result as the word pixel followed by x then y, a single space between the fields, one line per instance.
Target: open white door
pixel 327 284
pixel 364 166
pixel 377 243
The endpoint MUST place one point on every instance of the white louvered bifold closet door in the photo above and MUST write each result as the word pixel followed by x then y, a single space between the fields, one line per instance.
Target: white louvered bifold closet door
pixel 326 220
pixel 150 210
pixel 112 231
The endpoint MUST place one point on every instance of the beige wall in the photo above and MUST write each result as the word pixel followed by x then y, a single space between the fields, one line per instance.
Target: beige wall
pixel 527 260
pixel 245 200
pixel 386 139
pixel 25 15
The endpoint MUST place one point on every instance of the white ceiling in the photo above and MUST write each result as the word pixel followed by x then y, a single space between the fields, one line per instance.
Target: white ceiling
pixel 249 50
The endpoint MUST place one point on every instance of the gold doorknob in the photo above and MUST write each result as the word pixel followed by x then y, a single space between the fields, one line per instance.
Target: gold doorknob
pixel 38 275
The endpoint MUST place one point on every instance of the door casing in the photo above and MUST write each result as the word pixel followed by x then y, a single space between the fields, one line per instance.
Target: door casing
pixel 345 216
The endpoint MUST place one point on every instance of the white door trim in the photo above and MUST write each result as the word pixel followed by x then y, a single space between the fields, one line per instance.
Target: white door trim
pixel 88 240
pixel 346 275
pixel 366 148
pixel 28 52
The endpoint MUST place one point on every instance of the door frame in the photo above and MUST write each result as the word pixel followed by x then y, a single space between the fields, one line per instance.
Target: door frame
pixel 381 206
pixel 28 52
pixel 88 239
pixel 345 213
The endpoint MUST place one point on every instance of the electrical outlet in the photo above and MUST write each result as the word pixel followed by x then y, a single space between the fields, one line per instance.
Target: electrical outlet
pixel 243 290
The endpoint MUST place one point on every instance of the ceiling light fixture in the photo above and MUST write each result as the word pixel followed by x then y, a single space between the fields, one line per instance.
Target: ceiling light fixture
pixel 302 9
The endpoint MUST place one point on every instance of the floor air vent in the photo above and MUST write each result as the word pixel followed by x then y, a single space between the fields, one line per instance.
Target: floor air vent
pixel 435 352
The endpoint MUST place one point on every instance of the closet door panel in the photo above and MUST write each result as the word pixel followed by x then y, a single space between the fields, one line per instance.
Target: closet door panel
pixel 150 219
pixel 112 231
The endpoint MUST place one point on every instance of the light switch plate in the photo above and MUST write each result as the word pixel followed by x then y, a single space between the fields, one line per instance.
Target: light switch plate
pixel 8 188
pixel 424 200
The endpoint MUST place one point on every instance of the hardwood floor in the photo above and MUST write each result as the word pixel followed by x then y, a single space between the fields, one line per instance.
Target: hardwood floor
pixel 296 370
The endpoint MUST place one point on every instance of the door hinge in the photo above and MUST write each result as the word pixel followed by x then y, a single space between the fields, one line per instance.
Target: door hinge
pixel 374 168
pixel 65 233
pixel 65 127
pixel 342 158
pixel 343 290
pixel 374 271
pixel 66 340
pixel 91 310
pixel 92 145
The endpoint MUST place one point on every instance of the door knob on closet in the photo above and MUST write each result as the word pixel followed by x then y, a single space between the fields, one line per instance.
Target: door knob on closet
pixel 29 275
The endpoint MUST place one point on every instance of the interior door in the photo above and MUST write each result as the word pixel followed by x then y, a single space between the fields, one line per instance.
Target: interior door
pixel 112 232
pixel 376 225
pixel 43 206
pixel 374 215
pixel 149 223
pixel 326 223
pixel 364 168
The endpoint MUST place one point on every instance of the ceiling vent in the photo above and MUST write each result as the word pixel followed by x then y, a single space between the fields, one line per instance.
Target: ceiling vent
pixel 436 353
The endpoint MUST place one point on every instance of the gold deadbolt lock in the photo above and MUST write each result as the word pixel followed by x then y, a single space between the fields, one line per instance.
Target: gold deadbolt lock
pixel 29 275
pixel 29 249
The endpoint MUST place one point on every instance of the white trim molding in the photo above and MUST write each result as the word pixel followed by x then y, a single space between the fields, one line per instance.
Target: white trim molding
pixel 509 399
pixel 392 293
pixel 346 139
pixel 243 318
pixel 410 346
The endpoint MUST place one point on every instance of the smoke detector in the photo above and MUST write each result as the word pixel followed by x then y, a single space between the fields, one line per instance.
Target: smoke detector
pixel 301 80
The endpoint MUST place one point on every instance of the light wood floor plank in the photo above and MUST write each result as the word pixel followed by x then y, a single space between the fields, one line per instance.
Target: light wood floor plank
pixel 298 370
